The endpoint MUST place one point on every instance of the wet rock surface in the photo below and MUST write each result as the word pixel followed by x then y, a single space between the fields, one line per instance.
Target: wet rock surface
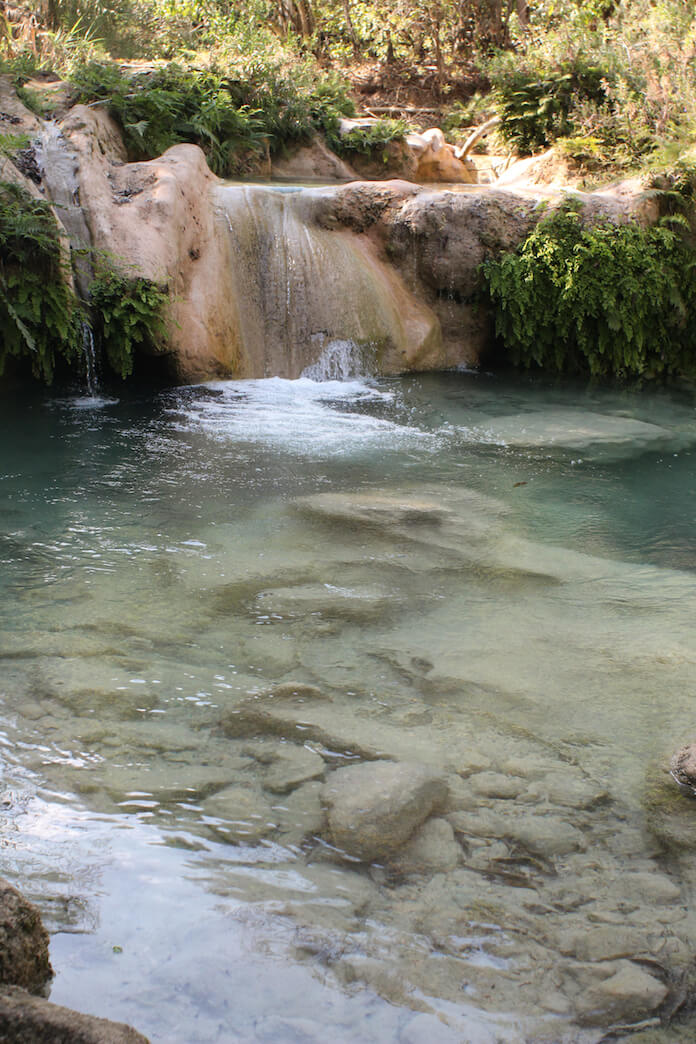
pixel 683 766
pixel 25 1019
pixel 24 957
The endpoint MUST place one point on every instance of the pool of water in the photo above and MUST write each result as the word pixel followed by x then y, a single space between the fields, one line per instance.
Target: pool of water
pixel 493 577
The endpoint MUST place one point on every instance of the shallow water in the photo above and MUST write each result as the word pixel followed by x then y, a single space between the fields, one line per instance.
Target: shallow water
pixel 494 577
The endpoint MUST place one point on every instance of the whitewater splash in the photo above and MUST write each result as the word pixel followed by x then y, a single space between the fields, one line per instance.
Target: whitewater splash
pixel 341 361
pixel 305 417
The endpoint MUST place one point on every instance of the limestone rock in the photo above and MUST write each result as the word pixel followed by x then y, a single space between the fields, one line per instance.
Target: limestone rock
pixel 243 813
pixel 437 159
pixel 374 807
pixel 159 216
pixel 572 429
pixel 603 942
pixel 298 691
pixel 628 995
pixel 315 160
pixel 496 785
pixel 327 601
pixel 300 814
pixel 25 1019
pixel 287 765
pixel 547 836
pixel 432 849
pixel 23 942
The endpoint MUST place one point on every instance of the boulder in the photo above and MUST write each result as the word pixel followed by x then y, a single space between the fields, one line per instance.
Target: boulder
pixel 437 159
pixel 25 1019
pixel 23 942
pixel 375 807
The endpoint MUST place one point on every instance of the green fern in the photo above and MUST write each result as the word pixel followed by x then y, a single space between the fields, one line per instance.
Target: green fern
pixel 608 299
pixel 128 313
pixel 39 314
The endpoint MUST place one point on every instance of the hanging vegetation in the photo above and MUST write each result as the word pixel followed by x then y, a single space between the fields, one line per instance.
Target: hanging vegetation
pixel 606 300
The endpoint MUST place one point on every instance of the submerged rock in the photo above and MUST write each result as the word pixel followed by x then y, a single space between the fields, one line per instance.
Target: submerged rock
pixel 24 957
pixel 627 994
pixel 241 814
pixel 286 765
pixel 573 429
pixel 374 808
pixel 432 849
pixel 31 1020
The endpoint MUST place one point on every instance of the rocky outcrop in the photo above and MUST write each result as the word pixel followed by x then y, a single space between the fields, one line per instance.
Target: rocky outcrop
pixel 264 282
pixel 419 157
pixel 25 1019
pixel 23 942
pixel 312 162
pixel 375 807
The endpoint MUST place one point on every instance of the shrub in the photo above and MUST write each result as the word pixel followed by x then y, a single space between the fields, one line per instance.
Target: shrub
pixel 233 119
pixel 370 139
pixel 608 299
pixel 536 105
pixel 39 313
pixel 127 313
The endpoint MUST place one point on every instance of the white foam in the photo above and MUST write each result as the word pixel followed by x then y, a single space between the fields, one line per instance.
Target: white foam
pixel 304 417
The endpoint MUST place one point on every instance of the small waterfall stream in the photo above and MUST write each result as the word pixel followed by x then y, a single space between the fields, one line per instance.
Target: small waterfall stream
pixel 301 290
pixel 90 360
pixel 60 169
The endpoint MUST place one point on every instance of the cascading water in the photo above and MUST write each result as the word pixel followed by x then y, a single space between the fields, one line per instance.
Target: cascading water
pixel 341 361
pixel 90 360
pixel 300 292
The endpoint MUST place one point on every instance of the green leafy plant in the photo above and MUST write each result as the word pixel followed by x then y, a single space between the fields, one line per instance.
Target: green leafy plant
pixel 127 313
pixel 536 109
pixel 233 119
pixel 11 144
pixel 607 299
pixel 370 140
pixel 39 313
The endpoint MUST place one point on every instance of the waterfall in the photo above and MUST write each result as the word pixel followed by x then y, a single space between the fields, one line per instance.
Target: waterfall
pixel 90 360
pixel 340 361
pixel 307 297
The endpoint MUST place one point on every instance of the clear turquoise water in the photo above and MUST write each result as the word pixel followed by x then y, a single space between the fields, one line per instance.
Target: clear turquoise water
pixel 165 556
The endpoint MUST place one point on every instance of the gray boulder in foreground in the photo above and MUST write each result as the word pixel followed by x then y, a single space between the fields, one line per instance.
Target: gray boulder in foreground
pixel 25 1018
pixel 375 807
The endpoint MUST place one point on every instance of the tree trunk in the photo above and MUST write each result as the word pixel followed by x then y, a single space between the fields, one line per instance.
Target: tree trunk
pixel 351 28
pixel 295 15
